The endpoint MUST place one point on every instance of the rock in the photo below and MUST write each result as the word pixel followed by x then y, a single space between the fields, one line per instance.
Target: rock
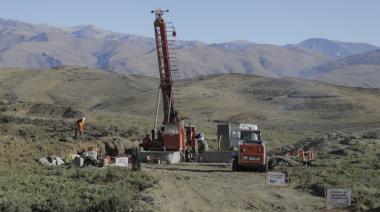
pixel 51 161
pixel 114 148
pixel 78 161
pixel 44 161
pixel 59 161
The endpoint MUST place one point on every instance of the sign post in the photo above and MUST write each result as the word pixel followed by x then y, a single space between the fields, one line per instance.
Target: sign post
pixel 339 197
pixel 276 179
pixel 121 161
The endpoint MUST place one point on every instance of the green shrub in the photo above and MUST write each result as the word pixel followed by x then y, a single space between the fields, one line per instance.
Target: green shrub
pixel 370 135
pixel 70 189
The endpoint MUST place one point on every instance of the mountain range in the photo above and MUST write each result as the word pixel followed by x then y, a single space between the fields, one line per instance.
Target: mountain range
pixel 335 49
pixel 44 47
pixel 361 70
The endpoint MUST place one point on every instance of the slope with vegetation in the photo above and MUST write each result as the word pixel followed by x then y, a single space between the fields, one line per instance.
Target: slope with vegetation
pixel 37 110
pixel 361 70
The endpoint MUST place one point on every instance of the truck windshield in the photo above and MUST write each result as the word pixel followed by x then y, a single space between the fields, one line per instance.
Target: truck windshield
pixel 249 137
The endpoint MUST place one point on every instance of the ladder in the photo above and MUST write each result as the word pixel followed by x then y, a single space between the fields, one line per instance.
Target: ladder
pixel 167 64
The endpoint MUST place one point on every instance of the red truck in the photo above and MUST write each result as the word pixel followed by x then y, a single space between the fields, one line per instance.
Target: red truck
pixel 251 152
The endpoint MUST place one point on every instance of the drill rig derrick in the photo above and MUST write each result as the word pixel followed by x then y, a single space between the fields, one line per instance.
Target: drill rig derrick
pixel 172 134
pixel 165 66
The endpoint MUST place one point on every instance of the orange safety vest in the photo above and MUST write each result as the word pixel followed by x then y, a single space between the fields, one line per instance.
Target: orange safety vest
pixel 80 124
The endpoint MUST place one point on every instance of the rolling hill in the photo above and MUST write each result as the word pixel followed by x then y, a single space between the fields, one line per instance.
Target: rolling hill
pixel 278 105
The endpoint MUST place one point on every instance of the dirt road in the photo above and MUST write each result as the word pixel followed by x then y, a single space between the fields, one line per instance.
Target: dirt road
pixel 213 187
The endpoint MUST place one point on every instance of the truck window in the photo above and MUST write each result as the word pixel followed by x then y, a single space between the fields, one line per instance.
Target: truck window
pixel 249 137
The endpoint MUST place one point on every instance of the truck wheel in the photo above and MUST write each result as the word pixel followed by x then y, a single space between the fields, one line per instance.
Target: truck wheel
pixel 235 165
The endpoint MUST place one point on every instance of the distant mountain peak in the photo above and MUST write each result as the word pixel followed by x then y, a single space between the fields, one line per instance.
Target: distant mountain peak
pixel 89 31
pixel 13 23
pixel 335 49
pixel 368 58
pixel 234 45
pixel 41 46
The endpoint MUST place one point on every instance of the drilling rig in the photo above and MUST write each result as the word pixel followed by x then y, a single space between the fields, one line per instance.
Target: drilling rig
pixel 173 134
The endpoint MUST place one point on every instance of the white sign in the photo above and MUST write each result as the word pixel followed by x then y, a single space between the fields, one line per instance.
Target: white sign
pixel 122 161
pixel 338 197
pixel 276 179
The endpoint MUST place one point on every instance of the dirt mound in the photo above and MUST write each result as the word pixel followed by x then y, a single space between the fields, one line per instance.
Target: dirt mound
pixel 50 110
pixel 116 145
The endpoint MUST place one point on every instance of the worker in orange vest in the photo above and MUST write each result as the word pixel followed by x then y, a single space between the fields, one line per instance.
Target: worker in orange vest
pixel 79 127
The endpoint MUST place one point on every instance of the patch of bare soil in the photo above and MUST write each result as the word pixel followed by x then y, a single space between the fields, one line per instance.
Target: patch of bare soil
pixel 214 187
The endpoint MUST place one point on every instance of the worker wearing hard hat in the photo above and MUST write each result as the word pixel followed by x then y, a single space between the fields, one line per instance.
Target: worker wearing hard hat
pixel 79 127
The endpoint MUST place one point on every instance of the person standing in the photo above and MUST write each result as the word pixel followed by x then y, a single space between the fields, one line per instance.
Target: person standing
pixel 136 163
pixel 146 142
pixel 202 145
pixel 79 127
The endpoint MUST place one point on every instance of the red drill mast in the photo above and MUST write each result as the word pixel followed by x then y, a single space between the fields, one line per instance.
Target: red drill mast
pixel 165 53
pixel 173 135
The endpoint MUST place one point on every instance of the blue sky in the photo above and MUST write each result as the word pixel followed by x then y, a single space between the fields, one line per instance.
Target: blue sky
pixel 260 21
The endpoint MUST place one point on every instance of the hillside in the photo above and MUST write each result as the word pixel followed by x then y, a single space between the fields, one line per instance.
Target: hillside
pixel 43 47
pixel 37 111
pixel 362 70
pixel 278 105
pixel 335 48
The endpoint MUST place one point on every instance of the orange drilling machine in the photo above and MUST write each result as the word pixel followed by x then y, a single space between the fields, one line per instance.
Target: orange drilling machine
pixel 173 134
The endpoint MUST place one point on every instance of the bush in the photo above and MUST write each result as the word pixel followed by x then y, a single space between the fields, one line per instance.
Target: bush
pixel 49 205
pixel 70 189
pixel 370 135
pixel 132 131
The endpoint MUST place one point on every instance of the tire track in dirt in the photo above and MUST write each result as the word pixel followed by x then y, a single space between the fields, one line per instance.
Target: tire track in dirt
pixel 210 187
pixel 203 197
